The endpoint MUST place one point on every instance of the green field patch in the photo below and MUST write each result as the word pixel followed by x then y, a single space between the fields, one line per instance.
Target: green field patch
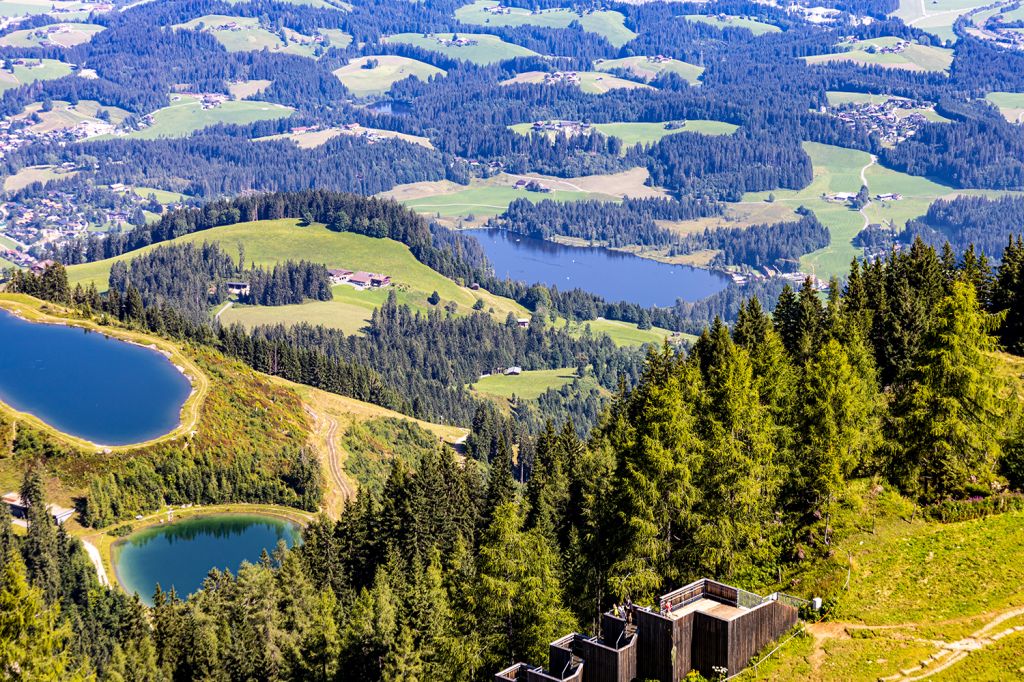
pixel 271 241
pixel 723 21
pixel 590 82
pixel 1011 105
pixel 627 333
pixel 63 115
pixel 478 48
pixel 187 114
pixel 631 134
pixel 22 71
pixel 607 23
pixel 244 89
pixel 375 74
pixel 528 385
pixel 31 174
pixel 889 52
pixel 69 9
pixel 486 198
pixel 310 139
pixel 649 68
pixel 162 196
pixel 246 34
pixel 936 16
pixel 336 314
pixel 840 170
pixel 51 35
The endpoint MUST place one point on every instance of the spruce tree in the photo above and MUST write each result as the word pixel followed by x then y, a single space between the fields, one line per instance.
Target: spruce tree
pixel 944 425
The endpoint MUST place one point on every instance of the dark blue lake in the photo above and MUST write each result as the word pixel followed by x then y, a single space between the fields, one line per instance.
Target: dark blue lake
pixel 611 274
pixel 181 554
pixel 89 385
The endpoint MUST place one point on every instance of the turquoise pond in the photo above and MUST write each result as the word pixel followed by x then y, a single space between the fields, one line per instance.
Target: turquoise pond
pixel 87 384
pixel 181 554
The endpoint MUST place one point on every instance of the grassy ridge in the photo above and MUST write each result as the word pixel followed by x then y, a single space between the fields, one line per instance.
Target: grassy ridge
pixel 607 23
pixel 187 115
pixel 389 69
pixel 487 50
pixel 271 241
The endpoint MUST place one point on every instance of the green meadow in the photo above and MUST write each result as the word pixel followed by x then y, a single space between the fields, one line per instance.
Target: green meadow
pixel 607 23
pixel 837 169
pixel 63 35
pixel 590 82
pixel 647 69
pixel 489 201
pixel 935 16
pixel 867 52
pixel 1011 104
pixel 758 28
pixel 646 132
pixel 271 241
pixel 389 69
pixel 529 385
pixel 40 70
pixel 187 115
pixel 248 34
pixel 487 49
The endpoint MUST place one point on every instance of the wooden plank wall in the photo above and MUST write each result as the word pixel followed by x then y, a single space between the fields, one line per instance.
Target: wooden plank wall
pixel 654 653
pixel 749 633
pixel 604 664
pixel 710 645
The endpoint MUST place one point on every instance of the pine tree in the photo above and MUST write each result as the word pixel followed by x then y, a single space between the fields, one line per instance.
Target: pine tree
pixel 518 591
pixel 1008 296
pixel 834 427
pixel 943 430
pixel 34 644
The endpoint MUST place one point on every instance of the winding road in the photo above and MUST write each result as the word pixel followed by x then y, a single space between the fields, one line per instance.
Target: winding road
pixel 328 425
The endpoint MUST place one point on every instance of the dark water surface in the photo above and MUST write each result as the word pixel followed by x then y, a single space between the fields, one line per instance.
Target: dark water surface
pixel 180 554
pixel 613 275
pixel 88 385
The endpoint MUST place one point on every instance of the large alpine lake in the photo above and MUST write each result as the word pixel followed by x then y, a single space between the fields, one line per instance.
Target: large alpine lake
pixel 613 275
pixel 181 554
pixel 87 384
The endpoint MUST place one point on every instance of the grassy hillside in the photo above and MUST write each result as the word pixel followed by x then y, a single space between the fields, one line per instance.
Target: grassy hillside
pixel 919 593
pixel 528 385
pixel 389 69
pixel 607 23
pixel 937 16
pixel 868 52
pixel 1010 104
pixel 590 82
pixel 270 241
pixel 187 115
pixel 31 70
pixel 647 68
pixel 63 35
pixel 485 49
pixel 837 169
pixel 633 133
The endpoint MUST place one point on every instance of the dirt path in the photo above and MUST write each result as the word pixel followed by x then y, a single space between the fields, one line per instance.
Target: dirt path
pixel 97 561
pixel 226 306
pixel 326 428
pixel 947 655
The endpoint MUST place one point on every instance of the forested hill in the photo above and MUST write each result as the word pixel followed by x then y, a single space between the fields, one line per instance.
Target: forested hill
pixel 737 460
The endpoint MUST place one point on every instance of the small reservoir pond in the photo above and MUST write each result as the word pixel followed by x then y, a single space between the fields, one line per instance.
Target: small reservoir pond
pixel 610 274
pixel 87 384
pixel 181 553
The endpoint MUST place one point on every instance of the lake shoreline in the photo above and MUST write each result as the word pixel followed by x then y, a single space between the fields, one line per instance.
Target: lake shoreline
pixel 34 311
pixel 192 513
